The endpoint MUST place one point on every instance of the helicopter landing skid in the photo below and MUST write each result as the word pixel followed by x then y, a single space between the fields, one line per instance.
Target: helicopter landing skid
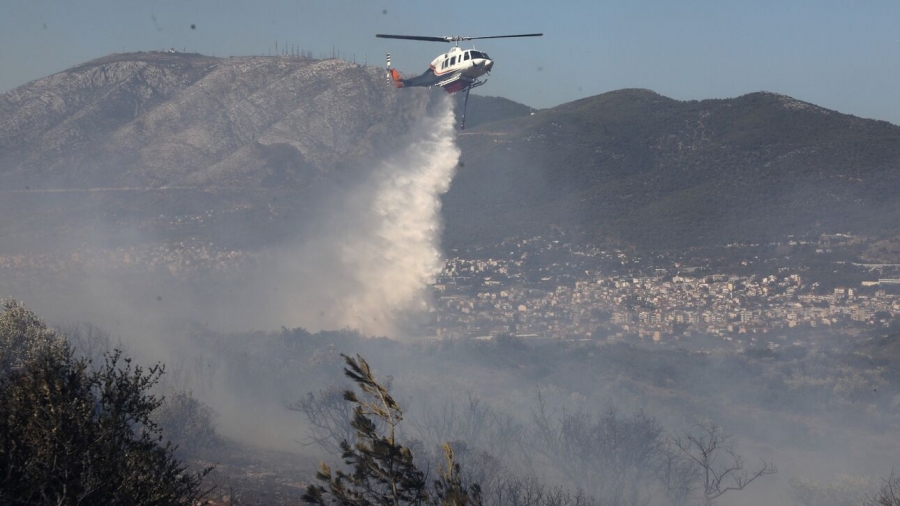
pixel 462 125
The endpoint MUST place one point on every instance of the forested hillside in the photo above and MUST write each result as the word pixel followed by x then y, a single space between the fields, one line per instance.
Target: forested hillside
pixel 659 173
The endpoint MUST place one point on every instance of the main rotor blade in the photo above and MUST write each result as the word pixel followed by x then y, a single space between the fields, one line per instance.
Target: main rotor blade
pixel 455 38
pixel 414 37
pixel 503 36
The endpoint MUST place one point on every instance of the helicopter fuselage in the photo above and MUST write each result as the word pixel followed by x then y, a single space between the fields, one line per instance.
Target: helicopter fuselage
pixel 468 62
pixel 459 69
pixel 455 70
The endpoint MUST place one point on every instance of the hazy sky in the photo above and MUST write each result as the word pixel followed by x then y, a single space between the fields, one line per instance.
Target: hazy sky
pixel 840 54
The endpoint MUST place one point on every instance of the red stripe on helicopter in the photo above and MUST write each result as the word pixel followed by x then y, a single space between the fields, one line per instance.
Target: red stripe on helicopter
pixel 455 86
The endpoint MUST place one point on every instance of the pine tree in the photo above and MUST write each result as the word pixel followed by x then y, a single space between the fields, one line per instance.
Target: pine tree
pixel 380 470
pixel 450 490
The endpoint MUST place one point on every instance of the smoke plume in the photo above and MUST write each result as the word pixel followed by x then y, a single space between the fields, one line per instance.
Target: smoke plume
pixel 396 255
pixel 369 264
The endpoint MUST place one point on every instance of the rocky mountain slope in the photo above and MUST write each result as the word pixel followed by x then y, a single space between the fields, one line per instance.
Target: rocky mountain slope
pixel 170 145
pixel 158 119
pixel 166 146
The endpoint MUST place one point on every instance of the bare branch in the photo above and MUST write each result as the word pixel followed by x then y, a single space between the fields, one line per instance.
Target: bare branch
pixel 719 466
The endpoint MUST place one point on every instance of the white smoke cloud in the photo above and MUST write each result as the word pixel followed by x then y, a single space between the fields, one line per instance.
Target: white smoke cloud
pixel 396 255
pixel 369 266
pixel 367 253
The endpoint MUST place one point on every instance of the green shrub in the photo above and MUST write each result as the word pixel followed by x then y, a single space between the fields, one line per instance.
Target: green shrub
pixel 72 434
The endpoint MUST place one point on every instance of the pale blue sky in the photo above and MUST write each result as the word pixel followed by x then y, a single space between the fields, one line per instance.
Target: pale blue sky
pixel 839 54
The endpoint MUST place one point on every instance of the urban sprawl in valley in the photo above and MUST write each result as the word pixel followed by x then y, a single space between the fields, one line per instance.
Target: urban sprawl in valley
pixel 654 299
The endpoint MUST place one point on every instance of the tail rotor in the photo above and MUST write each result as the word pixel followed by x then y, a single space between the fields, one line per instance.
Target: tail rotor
pixel 393 77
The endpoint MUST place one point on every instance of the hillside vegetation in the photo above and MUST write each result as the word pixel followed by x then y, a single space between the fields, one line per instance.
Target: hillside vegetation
pixel 661 173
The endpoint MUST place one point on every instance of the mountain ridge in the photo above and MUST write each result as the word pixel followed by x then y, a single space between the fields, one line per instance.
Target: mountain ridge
pixel 664 173
pixel 229 136
pixel 170 118
pixel 629 165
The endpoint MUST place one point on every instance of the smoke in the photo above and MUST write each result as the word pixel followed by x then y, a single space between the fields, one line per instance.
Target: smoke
pixel 375 247
pixel 395 254
pixel 362 256
pixel 366 265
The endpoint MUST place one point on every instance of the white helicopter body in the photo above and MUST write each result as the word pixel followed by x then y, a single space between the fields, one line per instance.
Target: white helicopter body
pixel 456 70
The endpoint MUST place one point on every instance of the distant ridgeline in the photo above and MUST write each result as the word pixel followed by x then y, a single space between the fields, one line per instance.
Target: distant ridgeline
pixel 188 146
pixel 659 173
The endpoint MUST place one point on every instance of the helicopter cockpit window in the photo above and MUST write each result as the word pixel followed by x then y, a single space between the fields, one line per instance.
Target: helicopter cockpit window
pixel 478 54
pixel 467 56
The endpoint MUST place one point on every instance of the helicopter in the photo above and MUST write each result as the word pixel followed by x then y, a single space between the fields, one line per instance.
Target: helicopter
pixel 454 71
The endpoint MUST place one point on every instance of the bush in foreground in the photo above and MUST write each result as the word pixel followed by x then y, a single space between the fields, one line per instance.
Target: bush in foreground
pixel 73 434
pixel 380 471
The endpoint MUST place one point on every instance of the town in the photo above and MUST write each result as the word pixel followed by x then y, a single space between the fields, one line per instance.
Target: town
pixel 742 296
pixel 594 293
